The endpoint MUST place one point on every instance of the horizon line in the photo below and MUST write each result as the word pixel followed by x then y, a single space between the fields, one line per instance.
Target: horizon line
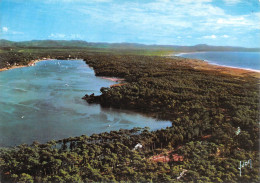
pixel 129 43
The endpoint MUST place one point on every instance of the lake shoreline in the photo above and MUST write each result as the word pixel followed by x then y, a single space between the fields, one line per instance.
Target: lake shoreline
pixel 31 63
pixel 67 95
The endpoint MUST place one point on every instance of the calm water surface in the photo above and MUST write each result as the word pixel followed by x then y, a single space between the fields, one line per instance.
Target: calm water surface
pixel 245 60
pixel 44 102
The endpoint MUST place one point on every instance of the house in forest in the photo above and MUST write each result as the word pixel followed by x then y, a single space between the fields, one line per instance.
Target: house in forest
pixel 138 146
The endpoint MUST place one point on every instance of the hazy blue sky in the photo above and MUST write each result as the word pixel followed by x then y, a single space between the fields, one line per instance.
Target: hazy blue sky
pixel 173 22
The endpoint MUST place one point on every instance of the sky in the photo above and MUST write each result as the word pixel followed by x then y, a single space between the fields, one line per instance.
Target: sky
pixel 164 22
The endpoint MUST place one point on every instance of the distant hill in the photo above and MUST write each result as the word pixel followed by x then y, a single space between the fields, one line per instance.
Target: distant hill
pixel 44 43
pixel 6 43
pixel 204 47
pixel 84 44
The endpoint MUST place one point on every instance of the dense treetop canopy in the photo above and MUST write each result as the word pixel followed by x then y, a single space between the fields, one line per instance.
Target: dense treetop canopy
pixel 206 110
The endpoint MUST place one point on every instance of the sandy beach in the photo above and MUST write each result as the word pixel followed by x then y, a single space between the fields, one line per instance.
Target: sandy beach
pixel 206 66
pixel 203 65
pixel 31 63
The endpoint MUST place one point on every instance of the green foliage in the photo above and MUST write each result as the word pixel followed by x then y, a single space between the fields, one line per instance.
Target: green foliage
pixel 205 109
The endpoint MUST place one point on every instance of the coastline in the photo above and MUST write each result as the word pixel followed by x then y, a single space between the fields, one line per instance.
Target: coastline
pixel 197 64
pixel 31 63
pixel 211 66
pixel 232 67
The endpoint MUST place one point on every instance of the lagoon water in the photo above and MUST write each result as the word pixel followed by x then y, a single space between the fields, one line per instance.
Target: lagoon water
pixel 245 60
pixel 44 102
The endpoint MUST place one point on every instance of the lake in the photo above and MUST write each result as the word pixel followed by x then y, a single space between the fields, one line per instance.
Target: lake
pixel 245 60
pixel 43 102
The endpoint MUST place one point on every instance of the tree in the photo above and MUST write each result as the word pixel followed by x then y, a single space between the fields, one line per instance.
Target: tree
pixel 25 178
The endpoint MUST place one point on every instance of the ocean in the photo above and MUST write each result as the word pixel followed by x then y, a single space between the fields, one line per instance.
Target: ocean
pixel 244 60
